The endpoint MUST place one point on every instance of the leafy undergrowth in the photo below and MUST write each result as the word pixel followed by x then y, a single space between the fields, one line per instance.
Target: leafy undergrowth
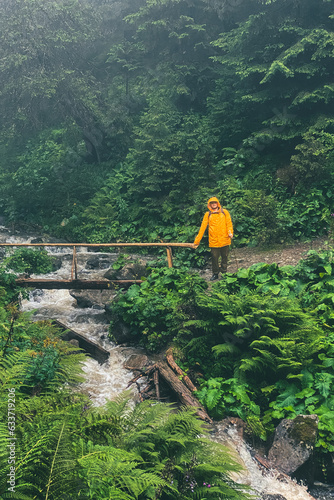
pixel 259 342
pixel 55 445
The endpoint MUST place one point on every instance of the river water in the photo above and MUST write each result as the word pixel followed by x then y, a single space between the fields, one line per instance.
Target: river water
pixel 103 381
pixel 106 381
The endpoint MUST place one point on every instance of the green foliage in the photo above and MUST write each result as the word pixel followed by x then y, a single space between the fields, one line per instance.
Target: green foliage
pixel 120 262
pixel 255 217
pixel 26 260
pixel 253 337
pixel 144 451
pixel 271 343
pixel 53 168
pixel 309 393
pixel 157 309
pixel 9 291
pixel 227 398
pixel 157 452
pixel 33 355
pixel 173 101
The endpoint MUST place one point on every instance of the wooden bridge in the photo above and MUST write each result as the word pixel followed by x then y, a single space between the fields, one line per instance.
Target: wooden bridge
pixel 79 284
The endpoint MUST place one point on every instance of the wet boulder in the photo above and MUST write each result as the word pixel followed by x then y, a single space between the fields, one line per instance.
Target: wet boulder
pixel 100 261
pixel 56 263
pixel 136 362
pixel 92 298
pixel 99 317
pixel 133 270
pixel 121 333
pixel 293 443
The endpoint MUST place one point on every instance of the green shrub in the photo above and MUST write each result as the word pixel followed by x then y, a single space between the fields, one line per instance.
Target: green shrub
pixel 157 309
pixel 26 260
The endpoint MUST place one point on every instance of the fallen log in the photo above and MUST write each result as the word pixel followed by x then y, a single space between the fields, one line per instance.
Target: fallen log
pixel 97 352
pixel 182 392
pixel 176 385
pixel 177 369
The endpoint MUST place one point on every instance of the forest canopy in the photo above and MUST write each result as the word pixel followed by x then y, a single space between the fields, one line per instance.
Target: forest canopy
pixel 120 119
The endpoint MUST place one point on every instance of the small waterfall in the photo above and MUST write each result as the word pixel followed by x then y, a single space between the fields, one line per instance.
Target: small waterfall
pixel 261 482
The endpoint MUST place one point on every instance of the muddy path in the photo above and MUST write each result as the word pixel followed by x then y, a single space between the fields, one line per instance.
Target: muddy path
pixel 282 255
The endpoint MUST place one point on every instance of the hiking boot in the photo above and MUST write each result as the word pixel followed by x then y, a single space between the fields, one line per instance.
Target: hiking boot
pixel 214 277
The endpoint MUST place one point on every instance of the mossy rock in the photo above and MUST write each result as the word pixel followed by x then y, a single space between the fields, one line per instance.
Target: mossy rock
pixel 304 430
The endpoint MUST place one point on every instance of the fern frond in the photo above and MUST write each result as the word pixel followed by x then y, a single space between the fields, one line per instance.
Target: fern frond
pixel 48 464
pixel 225 349
pixel 119 471
pixel 13 369
pixel 55 457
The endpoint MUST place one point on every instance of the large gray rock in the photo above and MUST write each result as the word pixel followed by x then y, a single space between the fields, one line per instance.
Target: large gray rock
pixel 293 442
pixel 136 362
pixel 121 333
pixel 92 298
pixel 131 271
pixel 100 261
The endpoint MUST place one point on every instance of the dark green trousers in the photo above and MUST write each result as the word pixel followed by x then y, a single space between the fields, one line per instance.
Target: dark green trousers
pixel 219 253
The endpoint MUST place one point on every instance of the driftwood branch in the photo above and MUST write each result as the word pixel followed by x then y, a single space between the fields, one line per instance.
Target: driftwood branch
pixel 143 373
pixel 161 370
pixel 156 383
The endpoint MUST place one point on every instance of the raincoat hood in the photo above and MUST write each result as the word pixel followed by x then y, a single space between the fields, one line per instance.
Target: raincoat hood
pixel 220 226
pixel 213 199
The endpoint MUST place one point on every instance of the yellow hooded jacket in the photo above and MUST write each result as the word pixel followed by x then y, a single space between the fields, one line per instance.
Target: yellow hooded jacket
pixel 220 226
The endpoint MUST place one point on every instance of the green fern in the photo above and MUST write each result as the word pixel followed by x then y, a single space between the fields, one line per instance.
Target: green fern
pixel 117 471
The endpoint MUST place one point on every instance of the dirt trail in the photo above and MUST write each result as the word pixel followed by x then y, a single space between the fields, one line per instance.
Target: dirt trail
pixel 283 255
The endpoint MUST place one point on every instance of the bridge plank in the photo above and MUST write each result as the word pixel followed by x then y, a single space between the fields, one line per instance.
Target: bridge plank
pixel 72 284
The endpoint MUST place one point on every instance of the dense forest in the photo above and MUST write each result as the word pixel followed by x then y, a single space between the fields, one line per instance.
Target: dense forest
pixel 119 120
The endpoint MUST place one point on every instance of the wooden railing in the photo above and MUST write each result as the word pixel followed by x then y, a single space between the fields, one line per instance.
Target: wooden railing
pixel 74 282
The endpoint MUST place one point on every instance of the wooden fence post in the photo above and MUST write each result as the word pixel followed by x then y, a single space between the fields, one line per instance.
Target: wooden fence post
pixel 74 265
pixel 169 257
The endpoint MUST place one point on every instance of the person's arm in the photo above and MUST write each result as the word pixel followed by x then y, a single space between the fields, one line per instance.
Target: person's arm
pixel 229 224
pixel 202 229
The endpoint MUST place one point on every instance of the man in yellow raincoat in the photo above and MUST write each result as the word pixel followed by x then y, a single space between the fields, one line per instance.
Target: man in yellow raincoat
pixel 220 235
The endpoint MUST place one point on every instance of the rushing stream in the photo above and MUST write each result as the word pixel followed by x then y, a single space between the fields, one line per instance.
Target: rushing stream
pixel 103 381
pixel 109 379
